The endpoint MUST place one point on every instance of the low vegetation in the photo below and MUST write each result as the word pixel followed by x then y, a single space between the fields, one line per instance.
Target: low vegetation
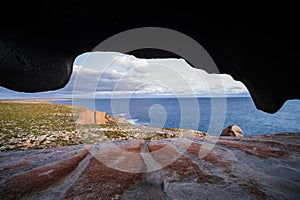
pixel 35 125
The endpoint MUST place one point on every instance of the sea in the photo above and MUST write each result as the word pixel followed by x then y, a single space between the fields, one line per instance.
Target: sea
pixel 208 115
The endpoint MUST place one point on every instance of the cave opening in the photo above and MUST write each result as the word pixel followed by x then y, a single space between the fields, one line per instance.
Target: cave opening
pixel 166 92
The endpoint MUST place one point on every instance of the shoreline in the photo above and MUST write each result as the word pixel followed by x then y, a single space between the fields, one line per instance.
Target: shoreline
pixel 40 124
pixel 61 129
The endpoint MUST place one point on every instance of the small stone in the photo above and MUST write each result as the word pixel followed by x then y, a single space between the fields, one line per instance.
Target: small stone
pixel 233 131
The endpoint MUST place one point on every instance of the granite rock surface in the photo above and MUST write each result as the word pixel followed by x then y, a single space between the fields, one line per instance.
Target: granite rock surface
pixel 256 167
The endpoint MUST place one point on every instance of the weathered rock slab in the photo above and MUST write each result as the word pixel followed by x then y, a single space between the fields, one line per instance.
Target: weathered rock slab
pixel 91 117
pixel 257 167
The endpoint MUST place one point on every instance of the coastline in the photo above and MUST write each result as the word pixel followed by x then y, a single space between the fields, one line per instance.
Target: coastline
pixel 60 129
pixel 40 124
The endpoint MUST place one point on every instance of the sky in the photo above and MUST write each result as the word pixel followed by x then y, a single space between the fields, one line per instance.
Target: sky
pixel 111 74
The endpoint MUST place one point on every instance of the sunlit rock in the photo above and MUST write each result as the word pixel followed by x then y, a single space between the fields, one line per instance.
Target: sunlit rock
pixel 256 167
pixel 233 130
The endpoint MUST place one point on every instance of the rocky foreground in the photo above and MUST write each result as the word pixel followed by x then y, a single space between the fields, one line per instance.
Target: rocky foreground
pixel 257 167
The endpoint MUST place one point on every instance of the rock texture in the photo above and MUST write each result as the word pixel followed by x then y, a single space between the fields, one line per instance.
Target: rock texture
pixel 92 117
pixel 232 130
pixel 257 167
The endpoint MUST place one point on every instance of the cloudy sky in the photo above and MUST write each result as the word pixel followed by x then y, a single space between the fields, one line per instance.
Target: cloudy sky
pixel 110 74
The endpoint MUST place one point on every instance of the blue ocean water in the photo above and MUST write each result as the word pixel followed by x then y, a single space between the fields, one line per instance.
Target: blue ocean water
pixel 199 113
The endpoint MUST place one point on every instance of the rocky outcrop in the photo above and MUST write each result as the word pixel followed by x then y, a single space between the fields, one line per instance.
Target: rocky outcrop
pixel 92 117
pixel 256 167
pixel 233 130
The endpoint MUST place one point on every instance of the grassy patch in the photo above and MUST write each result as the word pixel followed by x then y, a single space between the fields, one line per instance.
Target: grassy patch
pixel 20 122
pixel 171 129
pixel 34 118
pixel 36 125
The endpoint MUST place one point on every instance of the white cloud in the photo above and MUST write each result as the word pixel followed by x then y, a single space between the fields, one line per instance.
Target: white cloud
pixel 129 61
pixel 109 73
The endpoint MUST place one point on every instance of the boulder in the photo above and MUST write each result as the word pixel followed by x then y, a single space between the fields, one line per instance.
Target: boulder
pixel 233 130
pixel 91 117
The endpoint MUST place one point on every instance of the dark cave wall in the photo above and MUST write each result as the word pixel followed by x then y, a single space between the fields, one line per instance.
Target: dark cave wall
pixel 38 47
